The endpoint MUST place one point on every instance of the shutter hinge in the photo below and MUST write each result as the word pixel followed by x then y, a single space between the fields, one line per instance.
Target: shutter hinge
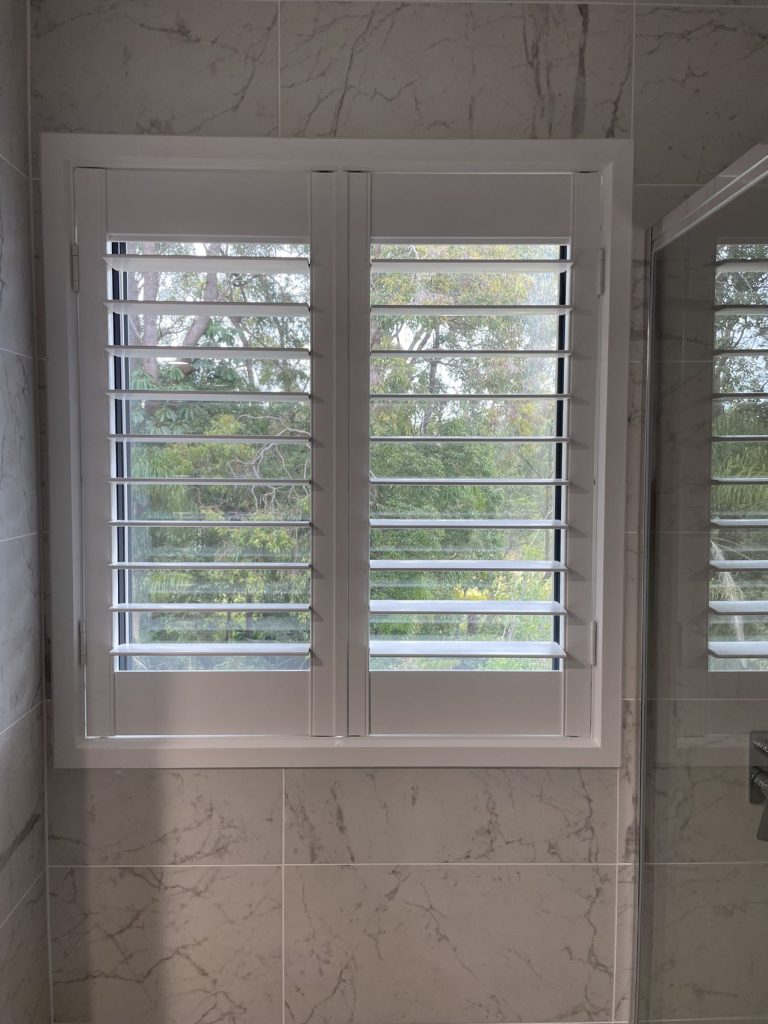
pixel 82 644
pixel 74 254
pixel 601 272
pixel 593 643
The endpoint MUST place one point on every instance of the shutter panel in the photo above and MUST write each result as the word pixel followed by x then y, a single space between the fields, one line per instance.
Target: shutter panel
pixel 738 608
pixel 201 345
pixel 471 334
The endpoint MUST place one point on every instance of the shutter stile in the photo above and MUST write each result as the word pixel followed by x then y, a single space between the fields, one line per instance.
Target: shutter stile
pixel 210 391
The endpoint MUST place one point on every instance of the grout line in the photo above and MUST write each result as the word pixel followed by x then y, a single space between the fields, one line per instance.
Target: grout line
pixel 282 898
pixel 591 3
pixel 616 884
pixel 30 711
pixel 682 1020
pixel 47 868
pixel 13 166
pixel 357 864
pixel 634 72
pixel 279 69
pixel 21 900
pixel 706 864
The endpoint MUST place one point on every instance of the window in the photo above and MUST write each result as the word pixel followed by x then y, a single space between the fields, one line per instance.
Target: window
pixel 738 622
pixel 341 463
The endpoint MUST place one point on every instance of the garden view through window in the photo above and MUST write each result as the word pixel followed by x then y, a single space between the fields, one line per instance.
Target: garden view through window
pixel 468 425
pixel 211 403
pixel 211 385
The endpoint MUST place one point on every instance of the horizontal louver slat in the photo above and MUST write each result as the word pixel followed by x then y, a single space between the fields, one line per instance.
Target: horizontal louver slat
pixel 468 524
pixel 468 607
pixel 398 266
pixel 201 264
pixel 464 311
pixel 221 309
pixel 469 649
pixel 207 649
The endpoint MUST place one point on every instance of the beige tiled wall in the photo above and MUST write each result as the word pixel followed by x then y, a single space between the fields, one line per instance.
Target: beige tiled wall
pixel 375 897
pixel 23 942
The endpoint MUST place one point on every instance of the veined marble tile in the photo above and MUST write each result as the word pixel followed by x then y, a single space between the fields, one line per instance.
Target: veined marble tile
pixel 22 830
pixel 628 782
pixel 652 202
pixel 635 447
pixel 18 443
pixel 15 266
pixel 163 816
pixel 703 814
pixel 677 636
pixel 20 683
pixel 638 312
pixel 457 943
pixel 178 945
pixel 394 815
pixel 158 66
pixel 24 993
pixel 696 106
pixel 703 733
pixel 710 933
pixel 632 612
pixel 13 82
pixel 455 71
pixel 626 925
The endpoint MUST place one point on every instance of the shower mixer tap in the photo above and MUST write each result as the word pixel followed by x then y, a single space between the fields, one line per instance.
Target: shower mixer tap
pixel 758 778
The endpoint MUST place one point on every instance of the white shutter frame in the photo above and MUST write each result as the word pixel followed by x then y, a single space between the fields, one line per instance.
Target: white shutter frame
pixel 62 157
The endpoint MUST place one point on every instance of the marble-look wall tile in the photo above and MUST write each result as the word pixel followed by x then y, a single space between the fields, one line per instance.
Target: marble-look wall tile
pixel 459 943
pixel 710 933
pixel 628 783
pixel 13 82
pixel 22 831
pixel 703 814
pixel 632 637
pixel 159 66
pixel 703 733
pixel 15 266
pixel 446 815
pixel 638 312
pixel 163 816
pixel 635 445
pixel 652 202
pixel 24 993
pixel 18 496
pixel 20 685
pixel 166 946
pixel 455 71
pixel 697 107
pixel 626 924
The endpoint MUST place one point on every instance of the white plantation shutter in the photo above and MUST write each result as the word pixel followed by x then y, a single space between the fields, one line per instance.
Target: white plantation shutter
pixel 738 619
pixel 197 456
pixel 337 447
pixel 473 624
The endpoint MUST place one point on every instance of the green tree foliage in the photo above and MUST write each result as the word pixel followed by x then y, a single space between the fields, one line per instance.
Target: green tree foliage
pixel 272 473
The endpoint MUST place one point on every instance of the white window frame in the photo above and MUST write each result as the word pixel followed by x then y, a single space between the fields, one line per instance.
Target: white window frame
pixel 599 741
